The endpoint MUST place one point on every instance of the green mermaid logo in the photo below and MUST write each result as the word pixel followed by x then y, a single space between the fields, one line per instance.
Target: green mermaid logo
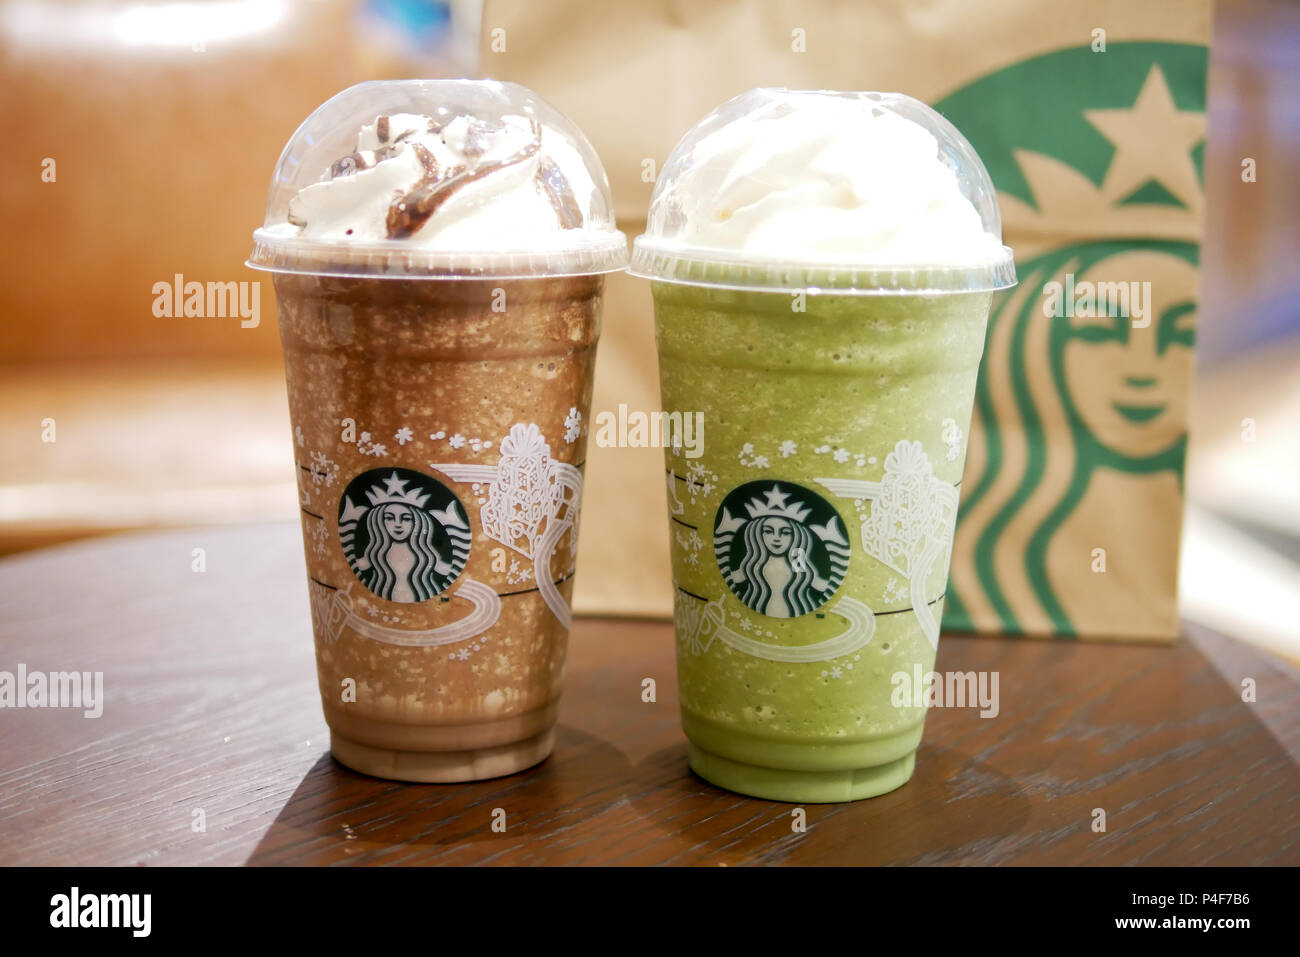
pixel 1078 436
pixel 781 548
pixel 405 534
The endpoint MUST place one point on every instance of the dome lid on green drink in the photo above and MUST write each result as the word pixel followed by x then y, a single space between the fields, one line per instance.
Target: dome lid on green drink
pixel 785 190
pixel 439 179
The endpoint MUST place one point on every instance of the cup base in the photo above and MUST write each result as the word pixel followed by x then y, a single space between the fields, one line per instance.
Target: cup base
pixel 801 787
pixel 442 767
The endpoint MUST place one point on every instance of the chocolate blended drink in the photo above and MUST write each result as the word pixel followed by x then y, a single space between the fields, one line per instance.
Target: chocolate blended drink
pixel 823 266
pixel 439 250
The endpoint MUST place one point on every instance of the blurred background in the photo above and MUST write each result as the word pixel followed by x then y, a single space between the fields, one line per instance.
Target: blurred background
pixel 139 142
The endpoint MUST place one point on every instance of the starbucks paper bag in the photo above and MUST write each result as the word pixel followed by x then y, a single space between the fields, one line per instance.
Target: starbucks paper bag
pixel 1090 118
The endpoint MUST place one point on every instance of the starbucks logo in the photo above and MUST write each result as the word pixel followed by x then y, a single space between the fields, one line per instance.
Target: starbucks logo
pixel 1106 422
pixel 405 534
pixel 781 548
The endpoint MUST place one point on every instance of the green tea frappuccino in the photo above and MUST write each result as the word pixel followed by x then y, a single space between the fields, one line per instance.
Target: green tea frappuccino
pixel 818 427
pixel 812 534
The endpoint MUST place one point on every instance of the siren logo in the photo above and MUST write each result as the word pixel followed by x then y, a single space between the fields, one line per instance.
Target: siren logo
pixel 781 548
pixel 1099 185
pixel 405 534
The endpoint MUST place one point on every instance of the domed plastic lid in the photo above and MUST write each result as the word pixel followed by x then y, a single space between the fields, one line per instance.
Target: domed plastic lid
pixel 439 179
pixel 870 193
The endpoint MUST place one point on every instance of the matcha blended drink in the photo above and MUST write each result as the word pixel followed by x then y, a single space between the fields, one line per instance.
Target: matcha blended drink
pixel 823 265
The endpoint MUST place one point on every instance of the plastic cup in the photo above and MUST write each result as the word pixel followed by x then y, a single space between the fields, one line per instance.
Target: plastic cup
pixel 439 371
pixel 811 538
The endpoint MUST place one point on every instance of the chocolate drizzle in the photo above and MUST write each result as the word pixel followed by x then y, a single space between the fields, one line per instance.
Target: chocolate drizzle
pixel 475 136
pixel 427 160
pixel 555 186
pixel 411 210
pixel 347 165
pixel 389 148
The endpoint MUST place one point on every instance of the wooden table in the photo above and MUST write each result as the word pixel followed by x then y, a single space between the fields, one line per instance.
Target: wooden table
pixel 211 706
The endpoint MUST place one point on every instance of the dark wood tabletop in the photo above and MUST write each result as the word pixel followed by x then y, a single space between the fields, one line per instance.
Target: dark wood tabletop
pixel 211 717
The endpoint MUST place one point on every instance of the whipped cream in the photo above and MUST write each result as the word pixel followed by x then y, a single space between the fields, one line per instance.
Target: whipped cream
pixel 825 179
pixel 454 184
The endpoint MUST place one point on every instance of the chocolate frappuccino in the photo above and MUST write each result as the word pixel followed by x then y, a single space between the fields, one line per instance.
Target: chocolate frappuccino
pixel 439 250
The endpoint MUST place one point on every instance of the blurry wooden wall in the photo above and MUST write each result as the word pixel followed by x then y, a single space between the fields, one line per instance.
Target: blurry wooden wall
pixel 164 154
pixel 163 149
